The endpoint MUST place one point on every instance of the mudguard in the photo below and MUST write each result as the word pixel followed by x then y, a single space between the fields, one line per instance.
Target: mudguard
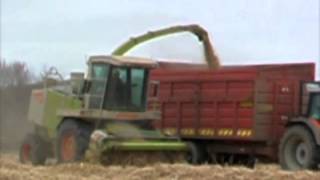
pixel 309 123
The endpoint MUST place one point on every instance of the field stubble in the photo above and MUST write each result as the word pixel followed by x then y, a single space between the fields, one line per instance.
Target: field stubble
pixel 10 168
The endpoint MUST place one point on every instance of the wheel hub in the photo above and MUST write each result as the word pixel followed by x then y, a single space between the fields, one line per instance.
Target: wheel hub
pixel 68 147
pixel 26 148
pixel 301 153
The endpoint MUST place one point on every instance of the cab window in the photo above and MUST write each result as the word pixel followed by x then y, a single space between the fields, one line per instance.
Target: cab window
pixel 98 84
pixel 137 87
pixel 315 106
pixel 117 94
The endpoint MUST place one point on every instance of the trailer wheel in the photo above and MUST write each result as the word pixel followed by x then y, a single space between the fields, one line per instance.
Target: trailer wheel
pixel 33 150
pixel 196 154
pixel 248 161
pixel 72 142
pixel 298 149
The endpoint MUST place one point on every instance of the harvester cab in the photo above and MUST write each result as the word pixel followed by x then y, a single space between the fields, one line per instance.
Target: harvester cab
pixel 117 83
pixel 115 90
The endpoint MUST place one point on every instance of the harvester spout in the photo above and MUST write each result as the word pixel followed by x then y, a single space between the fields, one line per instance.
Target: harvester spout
pixel 211 58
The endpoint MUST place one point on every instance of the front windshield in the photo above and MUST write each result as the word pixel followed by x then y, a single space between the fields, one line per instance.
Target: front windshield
pixel 126 89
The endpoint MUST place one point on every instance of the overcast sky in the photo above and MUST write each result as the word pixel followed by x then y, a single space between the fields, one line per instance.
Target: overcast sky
pixel 63 32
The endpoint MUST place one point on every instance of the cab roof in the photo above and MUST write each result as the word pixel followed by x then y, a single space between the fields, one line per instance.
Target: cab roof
pixel 123 61
pixel 313 87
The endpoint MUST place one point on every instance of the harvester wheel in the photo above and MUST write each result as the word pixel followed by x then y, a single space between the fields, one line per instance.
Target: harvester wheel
pixel 33 150
pixel 72 141
pixel 196 154
pixel 298 149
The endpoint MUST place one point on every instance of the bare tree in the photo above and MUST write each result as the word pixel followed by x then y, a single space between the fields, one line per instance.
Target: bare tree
pixel 16 73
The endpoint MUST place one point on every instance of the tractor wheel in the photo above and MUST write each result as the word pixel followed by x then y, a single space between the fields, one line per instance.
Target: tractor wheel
pixel 298 149
pixel 196 154
pixel 33 150
pixel 73 140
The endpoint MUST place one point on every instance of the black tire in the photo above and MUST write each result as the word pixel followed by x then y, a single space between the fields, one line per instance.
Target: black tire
pixel 298 149
pixel 196 154
pixel 248 161
pixel 33 150
pixel 72 141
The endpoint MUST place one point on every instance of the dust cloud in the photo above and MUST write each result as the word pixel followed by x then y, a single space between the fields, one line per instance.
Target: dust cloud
pixel 14 104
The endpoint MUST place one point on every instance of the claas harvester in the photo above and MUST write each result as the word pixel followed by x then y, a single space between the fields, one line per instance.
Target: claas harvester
pixel 112 113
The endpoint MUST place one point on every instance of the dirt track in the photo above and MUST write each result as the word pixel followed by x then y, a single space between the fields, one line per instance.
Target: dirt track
pixel 11 169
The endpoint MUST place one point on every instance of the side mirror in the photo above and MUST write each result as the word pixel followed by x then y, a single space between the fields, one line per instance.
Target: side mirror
pixel 76 80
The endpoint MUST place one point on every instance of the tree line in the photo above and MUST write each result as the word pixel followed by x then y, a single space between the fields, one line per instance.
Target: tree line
pixel 15 73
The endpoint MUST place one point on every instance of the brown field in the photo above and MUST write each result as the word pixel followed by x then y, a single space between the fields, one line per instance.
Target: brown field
pixel 10 168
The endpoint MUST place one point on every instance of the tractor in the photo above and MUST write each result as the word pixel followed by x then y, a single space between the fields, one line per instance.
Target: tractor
pixel 300 145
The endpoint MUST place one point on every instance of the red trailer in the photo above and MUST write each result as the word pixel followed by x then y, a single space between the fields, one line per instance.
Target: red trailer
pixel 231 113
